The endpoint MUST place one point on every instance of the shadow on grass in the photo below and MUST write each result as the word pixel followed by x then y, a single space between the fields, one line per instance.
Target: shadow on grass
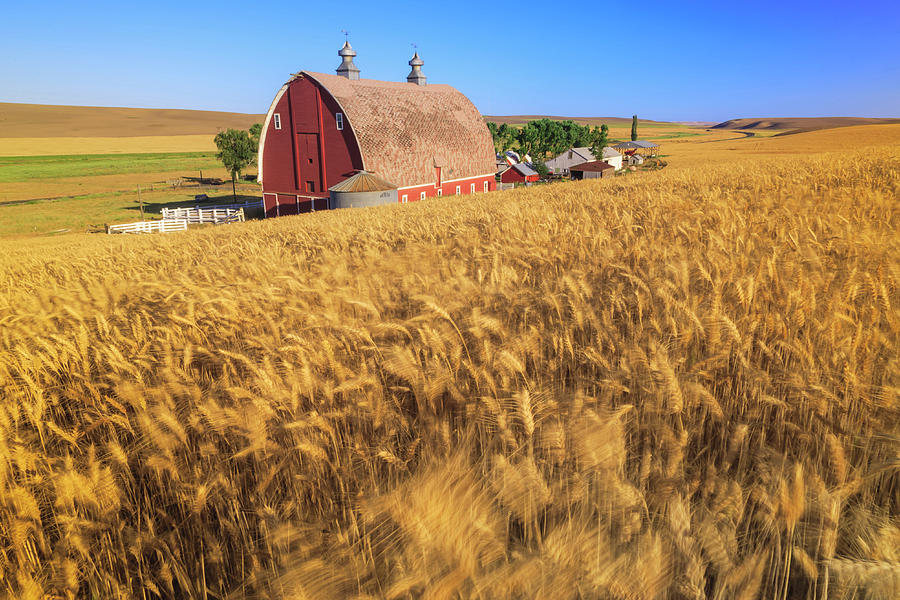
pixel 211 201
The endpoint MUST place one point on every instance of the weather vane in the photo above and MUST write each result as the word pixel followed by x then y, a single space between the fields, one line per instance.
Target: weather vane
pixel 346 34
pixel 415 45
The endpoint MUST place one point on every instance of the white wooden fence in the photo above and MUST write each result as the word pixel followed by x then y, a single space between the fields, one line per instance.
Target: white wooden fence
pixel 217 215
pixel 163 226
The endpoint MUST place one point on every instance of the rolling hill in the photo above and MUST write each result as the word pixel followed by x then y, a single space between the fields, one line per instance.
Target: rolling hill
pixel 50 121
pixel 800 123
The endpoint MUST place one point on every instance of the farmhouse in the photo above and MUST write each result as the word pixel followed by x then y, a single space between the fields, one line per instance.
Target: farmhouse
pixel 519 173
pixel 424 139
pixel 594 169
pixel 560 165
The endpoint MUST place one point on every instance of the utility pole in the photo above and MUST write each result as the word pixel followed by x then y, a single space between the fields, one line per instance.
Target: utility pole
pixel 141 201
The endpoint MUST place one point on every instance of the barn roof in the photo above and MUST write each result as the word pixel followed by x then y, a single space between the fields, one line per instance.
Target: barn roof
pixel 524 169
pixel 405 131
pixel 594 165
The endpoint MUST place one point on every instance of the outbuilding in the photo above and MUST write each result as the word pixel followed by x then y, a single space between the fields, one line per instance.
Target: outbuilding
pixel 363 189
pixel 594 169
pixel 321 129
pixel 519 173
pixel 638 147
pixel 560 165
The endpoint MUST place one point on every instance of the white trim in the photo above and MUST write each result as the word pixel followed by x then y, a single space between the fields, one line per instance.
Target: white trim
pixel 277 123
pixel 471 188
pixel 339 121
pixel 431 183
pixel 421 196
pixel 262 137
pixel 459 190
pixel 487 187
pixel 440 192
pixel 404 198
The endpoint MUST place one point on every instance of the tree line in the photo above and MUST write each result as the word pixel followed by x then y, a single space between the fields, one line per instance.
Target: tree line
pixel 544 137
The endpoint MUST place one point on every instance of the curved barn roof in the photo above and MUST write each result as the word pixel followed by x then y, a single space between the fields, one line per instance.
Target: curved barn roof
pixel 405 131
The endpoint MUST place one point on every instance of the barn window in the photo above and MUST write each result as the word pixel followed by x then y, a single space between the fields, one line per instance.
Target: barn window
pixel 339 119
pixel 440 192
pixel 485 186
pixel 457 190
pixel 277 120
pixel 404 198
pixel 421 195
pixel 472 188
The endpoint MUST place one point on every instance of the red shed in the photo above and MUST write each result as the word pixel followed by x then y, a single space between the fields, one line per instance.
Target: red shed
pixel 519 173
pixel 428 140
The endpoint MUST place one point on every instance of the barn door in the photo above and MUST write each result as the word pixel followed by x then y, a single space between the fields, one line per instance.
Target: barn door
pixel 309 167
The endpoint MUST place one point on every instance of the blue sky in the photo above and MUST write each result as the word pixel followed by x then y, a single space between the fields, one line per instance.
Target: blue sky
pixel 680 60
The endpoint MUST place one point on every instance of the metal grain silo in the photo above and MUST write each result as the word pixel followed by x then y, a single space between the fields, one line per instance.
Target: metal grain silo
pixel 363 189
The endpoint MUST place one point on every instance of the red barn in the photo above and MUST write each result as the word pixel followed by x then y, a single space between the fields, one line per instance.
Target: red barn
pixel 427 140
pixel 519 173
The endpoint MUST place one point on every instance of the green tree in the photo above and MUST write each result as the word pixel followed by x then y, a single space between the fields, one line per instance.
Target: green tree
pixel 538 165
pixel 235 152
pixel 633 128
pixel 601 140
pixel 255 134
pixel 528 138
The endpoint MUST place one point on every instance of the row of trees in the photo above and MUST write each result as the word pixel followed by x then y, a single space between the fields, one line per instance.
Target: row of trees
pixel 547 137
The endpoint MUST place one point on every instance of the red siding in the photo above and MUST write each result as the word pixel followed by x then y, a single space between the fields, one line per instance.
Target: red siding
pixel 448 188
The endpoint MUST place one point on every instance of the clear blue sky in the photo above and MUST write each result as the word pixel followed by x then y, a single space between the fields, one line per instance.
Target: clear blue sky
pixel 671 60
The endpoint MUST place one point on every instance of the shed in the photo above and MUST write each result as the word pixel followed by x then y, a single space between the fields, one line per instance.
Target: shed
pixel 519 173
pixel 428 140
pixel 594 169
pixel 638 146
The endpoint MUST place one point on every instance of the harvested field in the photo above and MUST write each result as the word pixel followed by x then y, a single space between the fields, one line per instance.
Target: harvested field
pixel 53 146
pixel 664 385
pixel 43 120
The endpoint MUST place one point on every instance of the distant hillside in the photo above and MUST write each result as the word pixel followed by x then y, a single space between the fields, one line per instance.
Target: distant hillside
pixel 800 123
pixel 519 119
pixel 44 120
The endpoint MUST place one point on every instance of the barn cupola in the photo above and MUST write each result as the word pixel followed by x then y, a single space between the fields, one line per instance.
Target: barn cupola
pixel 347 68
pixel 416 76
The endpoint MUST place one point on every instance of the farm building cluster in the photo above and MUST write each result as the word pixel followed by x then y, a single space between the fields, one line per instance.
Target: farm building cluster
pixel 575 163
pixel 338 141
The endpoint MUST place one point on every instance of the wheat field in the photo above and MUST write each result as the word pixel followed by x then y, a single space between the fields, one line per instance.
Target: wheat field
pixel 682 385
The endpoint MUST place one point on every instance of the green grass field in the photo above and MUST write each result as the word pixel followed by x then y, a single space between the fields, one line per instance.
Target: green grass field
pixel 24 168
pixel 91 212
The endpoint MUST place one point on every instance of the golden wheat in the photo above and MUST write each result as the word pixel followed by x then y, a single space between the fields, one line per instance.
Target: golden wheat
pixel 675 385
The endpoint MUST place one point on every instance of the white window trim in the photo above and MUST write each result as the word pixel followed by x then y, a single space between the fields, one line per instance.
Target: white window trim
pixel 276 120
pixel 339 121
pixel 421 195
pixel 404 198
pixel 472 188
pixel 458 190
pixel 440 192
pixel 486 187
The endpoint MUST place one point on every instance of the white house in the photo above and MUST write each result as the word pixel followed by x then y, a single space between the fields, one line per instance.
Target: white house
pixel 576 156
